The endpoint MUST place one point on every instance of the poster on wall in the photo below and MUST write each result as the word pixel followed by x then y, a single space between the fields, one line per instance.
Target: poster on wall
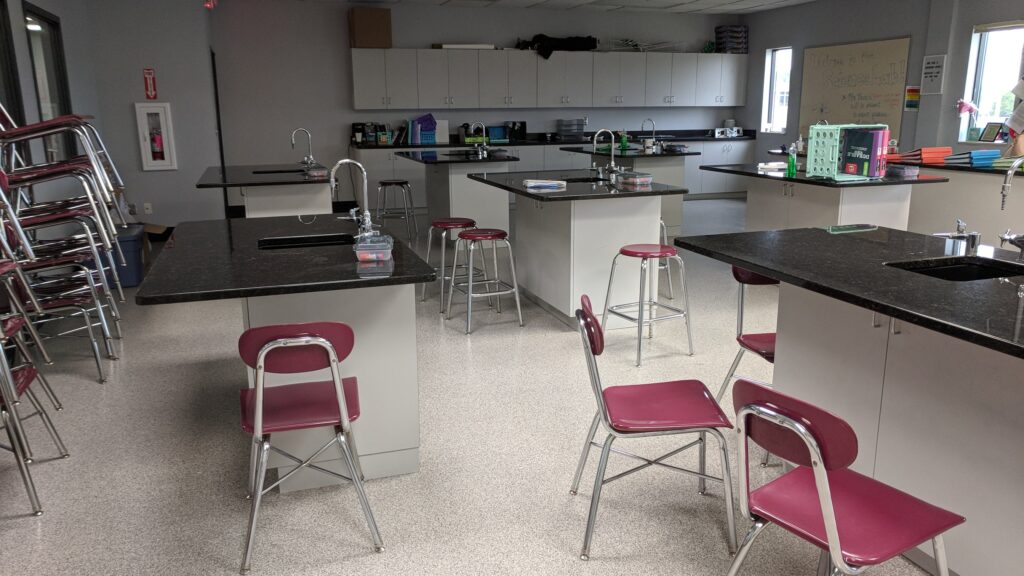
pixel 932 72
pixel 156 136
pixel 912 99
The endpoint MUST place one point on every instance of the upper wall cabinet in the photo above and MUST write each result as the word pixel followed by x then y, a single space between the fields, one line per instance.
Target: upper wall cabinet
pixel 671 79
pixel 566 80
pixel 384 79
pixel 721 80
pixel 620 79
pixel 508 79
pixel 448 78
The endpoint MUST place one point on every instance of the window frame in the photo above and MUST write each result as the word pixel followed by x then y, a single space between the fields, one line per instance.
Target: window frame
pixel 60 69
pixel 975 66
pixel 13 102
pixel 768 110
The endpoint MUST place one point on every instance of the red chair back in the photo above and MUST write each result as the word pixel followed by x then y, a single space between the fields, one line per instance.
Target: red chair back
pixel 591 326
pixel 836 439
pixel 295 359
pixel 744 276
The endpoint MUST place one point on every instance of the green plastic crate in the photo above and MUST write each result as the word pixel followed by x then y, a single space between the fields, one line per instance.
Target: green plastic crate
pixel 824 145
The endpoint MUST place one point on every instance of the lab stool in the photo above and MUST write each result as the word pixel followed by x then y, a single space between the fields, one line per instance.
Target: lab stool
pixel 405 212
pixel 468 240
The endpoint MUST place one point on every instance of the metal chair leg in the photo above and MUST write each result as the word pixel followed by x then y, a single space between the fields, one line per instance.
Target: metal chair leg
pixel 595 498
pixel 515 283
pixel 765 458
pixel 378 544
pixel 744 548
pixel 47 423
pixel 257 499
pixel 824 564
pixel 939 548
pixel 702 461
pixel 254 461
pixel 730 513
pixel 729 375
pixel 350 438
pixel 430 242
pixel 640 311
pixel 608 293
pixel 19 342
pixel 19 456
pixel 586 452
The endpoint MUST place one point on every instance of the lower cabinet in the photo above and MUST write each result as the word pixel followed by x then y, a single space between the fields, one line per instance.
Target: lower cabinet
pixel 725 152
pixel 779 205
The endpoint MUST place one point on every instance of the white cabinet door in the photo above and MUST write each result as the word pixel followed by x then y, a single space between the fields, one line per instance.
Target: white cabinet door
pixel 734 80
pixel 415 173
pixel 369 79
pixel 531 158
pixel 606 79
pixel 463 79
pixel 494 77
pixel 684 80
pixel 522 78
pixel 632 79
pixel 714 153
pixel 400 64
pixel 551 81
pixel 579 79
pixel 432 73
pixel 658 81
pixel 555 159
pixel 813 206
pixel 709 80
pixel 767 205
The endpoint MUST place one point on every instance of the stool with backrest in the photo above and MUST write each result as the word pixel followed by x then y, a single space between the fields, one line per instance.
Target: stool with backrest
pixel 643 410
pixel 406 212
pixel 762 344
pixel 856 521
pixel 294 349
pixel 648 300
pixel 468 241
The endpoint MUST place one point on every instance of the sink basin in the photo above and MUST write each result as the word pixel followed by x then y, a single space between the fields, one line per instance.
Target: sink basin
pixel 591 180
pixel 278 242
pixel 281 171
pixel 961 268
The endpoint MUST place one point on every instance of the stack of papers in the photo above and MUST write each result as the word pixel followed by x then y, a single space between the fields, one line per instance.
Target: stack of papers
pixel 544 184
pixel 976 158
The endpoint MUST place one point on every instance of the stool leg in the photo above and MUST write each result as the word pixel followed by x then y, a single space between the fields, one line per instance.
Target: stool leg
pixel 440 278
pixel 640 310
pixel 381 193
pixel 686 301
pixel 451 283
pixel 494 255
pixel 515 283
pixel 652 295
pixel 667 262
pixel 430 241
pixel 608 293
pixel 412 208
pixel 469 288
pixel 407 214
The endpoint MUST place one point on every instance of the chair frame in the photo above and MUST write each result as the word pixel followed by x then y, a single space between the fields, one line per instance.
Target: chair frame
pixel 831 561
pixel 261 447
pixel 731 375
pixel 602 417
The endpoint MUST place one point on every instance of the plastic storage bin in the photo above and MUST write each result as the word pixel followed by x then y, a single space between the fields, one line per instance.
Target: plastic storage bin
pixel 824 145
pixel 374 249
pixel 130 240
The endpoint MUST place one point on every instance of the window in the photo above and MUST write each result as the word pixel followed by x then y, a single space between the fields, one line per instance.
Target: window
pixel 993 71
pixel 10 90
pixel 775 110
pixel 47 50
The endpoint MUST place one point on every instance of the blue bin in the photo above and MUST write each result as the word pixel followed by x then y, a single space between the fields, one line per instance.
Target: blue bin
pixel 130 239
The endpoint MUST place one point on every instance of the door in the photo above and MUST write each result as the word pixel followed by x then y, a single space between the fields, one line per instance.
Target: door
pixel 606 79
pixel 684 80
pixel 579 79
pixel 734 80
pixel 400 66
pixel 632 79
pixel 709 80
pixel 658 79
pixel 551 81
pixel 463 78
pixel 369 79
pixel 813 206
pixel 494 76
pixel 522 78
pixel 432 72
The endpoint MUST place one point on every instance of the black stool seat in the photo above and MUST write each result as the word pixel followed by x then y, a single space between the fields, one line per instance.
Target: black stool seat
pixel 394 182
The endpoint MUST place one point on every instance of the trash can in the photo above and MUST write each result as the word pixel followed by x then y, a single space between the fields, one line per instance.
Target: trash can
pixel 130 239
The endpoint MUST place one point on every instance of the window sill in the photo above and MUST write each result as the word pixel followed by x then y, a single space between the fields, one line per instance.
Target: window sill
pixel 978 143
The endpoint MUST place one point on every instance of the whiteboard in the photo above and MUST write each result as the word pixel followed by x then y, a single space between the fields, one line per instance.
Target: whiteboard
pixel 855 84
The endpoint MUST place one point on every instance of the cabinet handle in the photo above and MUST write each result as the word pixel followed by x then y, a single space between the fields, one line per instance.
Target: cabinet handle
pixel 511 99
pixel 894 326
pixel 383 100
pixel 874 320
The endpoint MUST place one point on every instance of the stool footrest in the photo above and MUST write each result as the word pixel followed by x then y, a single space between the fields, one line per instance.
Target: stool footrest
pixel 652 307
pixel 506 288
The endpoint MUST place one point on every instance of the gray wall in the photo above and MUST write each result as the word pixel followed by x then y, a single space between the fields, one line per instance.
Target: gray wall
pixel 284 64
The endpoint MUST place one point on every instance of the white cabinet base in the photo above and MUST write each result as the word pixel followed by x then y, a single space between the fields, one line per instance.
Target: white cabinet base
pixel 666 170
pixel 777 205
pixel 297 200
pixel 450 193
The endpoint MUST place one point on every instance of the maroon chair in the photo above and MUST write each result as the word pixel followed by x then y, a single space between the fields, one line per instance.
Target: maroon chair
pixel 762 344
pixel 642 410
pixel 855 520
pixel 294 349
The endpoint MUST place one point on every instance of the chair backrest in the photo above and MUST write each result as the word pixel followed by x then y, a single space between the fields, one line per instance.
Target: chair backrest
pixel 593 345
pixel 744 276
pixel 295 357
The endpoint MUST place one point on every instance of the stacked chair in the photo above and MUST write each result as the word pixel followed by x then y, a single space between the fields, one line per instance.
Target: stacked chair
pixel 58 261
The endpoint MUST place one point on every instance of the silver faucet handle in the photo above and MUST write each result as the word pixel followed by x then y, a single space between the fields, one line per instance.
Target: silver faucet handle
pixel 961 226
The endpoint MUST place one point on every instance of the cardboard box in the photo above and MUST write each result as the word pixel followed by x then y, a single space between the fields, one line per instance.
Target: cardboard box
pixel 369 27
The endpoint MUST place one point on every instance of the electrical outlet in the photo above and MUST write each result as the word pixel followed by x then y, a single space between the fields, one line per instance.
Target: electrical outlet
pixel 132 210
pixel 147 208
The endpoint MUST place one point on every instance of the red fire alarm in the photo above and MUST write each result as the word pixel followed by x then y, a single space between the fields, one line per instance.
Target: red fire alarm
pixel 149 79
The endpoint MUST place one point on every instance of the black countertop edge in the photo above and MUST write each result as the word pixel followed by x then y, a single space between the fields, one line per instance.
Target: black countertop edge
pixel 773 173
pixel 432 158
pixel 930 322
pixel 513 182
pixel 538 139
pixel 245 176
pixel 950 167
pixel 631 153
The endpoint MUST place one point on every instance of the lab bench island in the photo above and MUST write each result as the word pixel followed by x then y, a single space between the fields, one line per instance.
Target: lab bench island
pixel 920 348
pixel 257 262
pixel 267 190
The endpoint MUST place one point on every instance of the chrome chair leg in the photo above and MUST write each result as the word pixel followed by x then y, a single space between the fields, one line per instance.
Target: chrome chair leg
pixel 765 458
pixel 824 564
pixel 430 242
pixel 744 548
pixel 595 498
pixel 640 311
pixel 608 293
pixel 378 544
pixel 254 461
pixel 686 300
pixel 939 548
pixel 515 283
pixel 19 456
pixel 702 461
pixel 47 423
pixel 730 513
pixel 586 452
pixel 729 375
pixel 257 499
pixel 350 438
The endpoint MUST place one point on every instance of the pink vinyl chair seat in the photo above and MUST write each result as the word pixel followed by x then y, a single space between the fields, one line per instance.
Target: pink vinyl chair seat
pixel 648 250
pixel 663 406
pixel 299 406
pixel 76 164
pixel 483 234
pixel 761 344
pixel 12 325
pixel 453 223
pixel 744 276
pixel 46 218
pixel 876 522
pixel 23 378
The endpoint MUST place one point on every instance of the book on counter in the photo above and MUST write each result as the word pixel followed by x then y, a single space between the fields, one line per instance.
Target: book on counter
pixel 927 155
pixel 976 158
pixel 864 152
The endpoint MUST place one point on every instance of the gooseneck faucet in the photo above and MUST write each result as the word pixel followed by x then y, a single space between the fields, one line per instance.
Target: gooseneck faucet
pixel 611 164
pixel 1009 237
pixel 481 147
pixel 646 120
pixel 365 224
pixel 308 160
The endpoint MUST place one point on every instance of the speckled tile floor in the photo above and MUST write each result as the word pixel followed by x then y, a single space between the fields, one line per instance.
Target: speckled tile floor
pixel 155 480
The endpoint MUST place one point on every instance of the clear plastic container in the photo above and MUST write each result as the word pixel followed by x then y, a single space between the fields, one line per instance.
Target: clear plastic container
pixel 374 248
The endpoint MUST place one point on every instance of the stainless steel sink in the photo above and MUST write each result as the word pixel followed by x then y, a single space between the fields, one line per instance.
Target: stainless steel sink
pixel 961 268
pixel 281 171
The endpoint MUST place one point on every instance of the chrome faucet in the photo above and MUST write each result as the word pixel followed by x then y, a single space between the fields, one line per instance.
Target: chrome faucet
pixel 646 120
pixel 481 147
pixel 365 224
pixel 971 239
pixel 308 160
pixel 612 168
pixel 1008 237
